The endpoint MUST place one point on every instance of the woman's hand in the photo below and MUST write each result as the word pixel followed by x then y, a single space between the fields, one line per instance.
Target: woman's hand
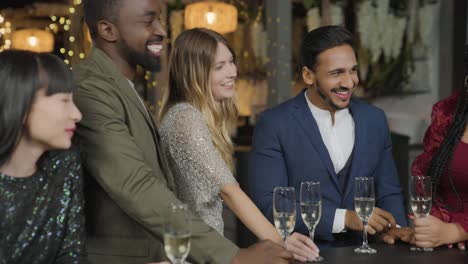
pixel 432 232
pixel 460 245
pixel 302 247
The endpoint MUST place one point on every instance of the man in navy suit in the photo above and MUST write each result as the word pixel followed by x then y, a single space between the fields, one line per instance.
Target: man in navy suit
pixel 325 135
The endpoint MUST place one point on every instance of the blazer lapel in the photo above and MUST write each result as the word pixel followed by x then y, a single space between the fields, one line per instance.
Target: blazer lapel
pixel 108 66
pixel 360 128
pixel 304 117
pixel 131 95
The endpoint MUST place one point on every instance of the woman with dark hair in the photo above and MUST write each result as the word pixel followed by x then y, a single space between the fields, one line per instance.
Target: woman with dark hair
pixel 445 160
pixel 41 208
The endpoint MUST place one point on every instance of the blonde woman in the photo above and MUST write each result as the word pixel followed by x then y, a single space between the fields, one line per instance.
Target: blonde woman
pixel 197 116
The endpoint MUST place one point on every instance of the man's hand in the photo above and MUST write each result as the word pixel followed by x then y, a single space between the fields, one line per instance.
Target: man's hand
pixel 264 252
pixel 380 221
pixel 352 221
pixel 404 234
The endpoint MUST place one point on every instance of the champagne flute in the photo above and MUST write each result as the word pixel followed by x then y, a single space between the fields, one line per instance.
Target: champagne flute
pixel 311 207
pixel 421 200
pixel 177 232
pixel 364 201
pixel 284 210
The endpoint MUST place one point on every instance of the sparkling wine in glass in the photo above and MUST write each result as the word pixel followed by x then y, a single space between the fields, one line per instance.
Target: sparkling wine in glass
pixel 284 210
pixel 364 202
pixel 421 200
pixel 177 232
pixel 311 207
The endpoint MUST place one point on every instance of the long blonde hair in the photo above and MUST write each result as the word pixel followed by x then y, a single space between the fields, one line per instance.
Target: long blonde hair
pixel 190 63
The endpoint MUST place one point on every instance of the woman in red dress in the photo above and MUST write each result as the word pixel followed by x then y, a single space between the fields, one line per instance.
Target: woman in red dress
pixel 445 159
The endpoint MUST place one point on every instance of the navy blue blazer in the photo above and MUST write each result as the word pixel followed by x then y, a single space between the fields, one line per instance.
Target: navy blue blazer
pixel 288 149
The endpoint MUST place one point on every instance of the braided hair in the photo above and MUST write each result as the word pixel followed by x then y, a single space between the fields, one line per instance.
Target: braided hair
pixel 441 162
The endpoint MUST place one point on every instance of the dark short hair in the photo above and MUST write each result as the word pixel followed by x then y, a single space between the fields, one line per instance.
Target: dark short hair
pixel 96 10
pixel 22 74
pixel 321 39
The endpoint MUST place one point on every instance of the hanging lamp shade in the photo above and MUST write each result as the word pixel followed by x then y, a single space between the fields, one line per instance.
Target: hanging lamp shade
pixel 217 16
pixel 33 40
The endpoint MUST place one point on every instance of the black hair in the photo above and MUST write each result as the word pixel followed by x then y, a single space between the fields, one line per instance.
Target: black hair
pixel 442 159
pixel 321 39
pixel 96 10
pixel 23 73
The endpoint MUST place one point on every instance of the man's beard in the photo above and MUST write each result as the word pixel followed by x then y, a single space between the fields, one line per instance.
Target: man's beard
pixel 144 59
pixel 327 98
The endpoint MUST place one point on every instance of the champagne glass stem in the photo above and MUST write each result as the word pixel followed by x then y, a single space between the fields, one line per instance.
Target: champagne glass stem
pixel 364 240
pixel 312 233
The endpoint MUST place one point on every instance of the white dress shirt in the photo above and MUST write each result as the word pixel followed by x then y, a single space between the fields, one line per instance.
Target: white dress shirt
pixel 139 98
pixel 339 141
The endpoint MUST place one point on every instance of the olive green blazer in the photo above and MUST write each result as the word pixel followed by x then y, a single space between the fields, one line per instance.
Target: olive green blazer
pixel 128 186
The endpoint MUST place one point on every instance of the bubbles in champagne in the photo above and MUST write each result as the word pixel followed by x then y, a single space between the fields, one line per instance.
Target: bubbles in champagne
pixel 311 213
pixel 285 223
pixel 364 207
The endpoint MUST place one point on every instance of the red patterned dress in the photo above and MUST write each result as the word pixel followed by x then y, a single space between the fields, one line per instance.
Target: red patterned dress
pixel 442 116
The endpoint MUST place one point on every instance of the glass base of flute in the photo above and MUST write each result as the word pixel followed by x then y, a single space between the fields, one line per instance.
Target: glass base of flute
pixel 421 249
pixel 365 249
pixel 311 235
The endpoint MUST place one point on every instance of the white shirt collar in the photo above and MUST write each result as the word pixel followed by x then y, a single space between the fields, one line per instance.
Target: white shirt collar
pixel 139 98
pixel 322 115
pixel 338 138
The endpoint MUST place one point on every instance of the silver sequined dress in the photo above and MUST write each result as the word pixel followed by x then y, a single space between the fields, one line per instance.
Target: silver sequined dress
pixel 199 171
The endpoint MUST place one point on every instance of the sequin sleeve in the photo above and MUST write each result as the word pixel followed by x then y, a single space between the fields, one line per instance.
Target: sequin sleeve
pixel 73 245
pixel 188 141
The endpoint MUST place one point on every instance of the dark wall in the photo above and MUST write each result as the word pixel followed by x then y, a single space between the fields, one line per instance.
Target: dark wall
pixel 459 29
pixel 21 3
pixel 452 35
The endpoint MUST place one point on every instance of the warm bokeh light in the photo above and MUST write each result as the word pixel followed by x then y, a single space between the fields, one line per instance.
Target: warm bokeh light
pixel 217 16
pixel 33 39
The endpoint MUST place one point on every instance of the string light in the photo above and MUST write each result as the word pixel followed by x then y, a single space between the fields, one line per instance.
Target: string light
pixel 63 24
pixel 5 31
